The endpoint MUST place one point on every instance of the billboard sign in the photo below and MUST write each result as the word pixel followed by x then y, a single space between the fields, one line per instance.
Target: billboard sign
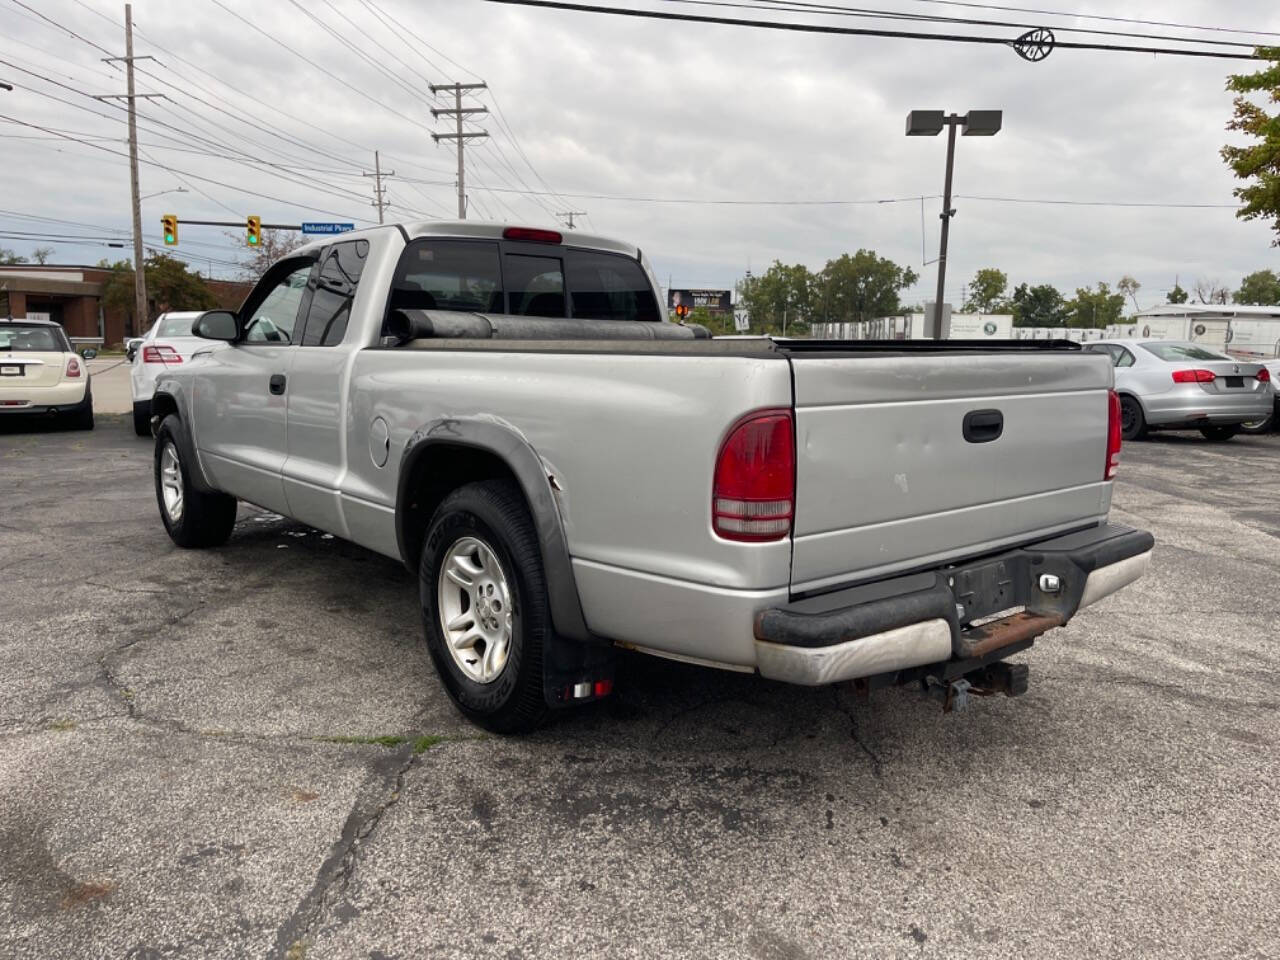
pixel 717 301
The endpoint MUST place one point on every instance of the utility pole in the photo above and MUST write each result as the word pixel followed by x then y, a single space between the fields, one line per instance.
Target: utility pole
pixel 139 268
pixel 378 189
pixel 571 214
pixel 459 113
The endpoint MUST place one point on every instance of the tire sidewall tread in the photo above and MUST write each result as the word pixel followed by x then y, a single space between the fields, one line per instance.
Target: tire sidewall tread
pixel 494 511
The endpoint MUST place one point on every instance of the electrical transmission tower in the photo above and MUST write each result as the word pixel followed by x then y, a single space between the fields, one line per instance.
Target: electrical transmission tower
pixel 570 214
pixel 379 191
pixel 459 113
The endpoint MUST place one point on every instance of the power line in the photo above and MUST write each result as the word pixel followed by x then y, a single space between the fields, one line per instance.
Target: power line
pixel 1095 16
pixel 836 10
pixel 855 31
pixel 185 173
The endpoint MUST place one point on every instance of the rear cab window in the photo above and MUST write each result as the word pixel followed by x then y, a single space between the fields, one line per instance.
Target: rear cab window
pixel 175 327
pixel 524 279
pixel 609 286
pixel 446 274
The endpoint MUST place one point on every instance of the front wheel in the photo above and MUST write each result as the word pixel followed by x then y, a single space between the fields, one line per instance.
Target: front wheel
pixel 1218 434
pixel 484 603
pixel 1133 425
pixel 193 519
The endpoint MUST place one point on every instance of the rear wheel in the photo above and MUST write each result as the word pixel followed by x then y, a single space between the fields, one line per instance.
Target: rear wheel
pixel 484 604
pixel 1266 425
pixel 193 519
pixel 1133 425
pixel 1218 434
pixel 82 419
pixel 142 418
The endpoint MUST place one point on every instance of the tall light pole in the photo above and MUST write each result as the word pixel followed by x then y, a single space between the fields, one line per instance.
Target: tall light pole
pixel 929 123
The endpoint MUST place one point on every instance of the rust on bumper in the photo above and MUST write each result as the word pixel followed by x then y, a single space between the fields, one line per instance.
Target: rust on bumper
pixel 979 641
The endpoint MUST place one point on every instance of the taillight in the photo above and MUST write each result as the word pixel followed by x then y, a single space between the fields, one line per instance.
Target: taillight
pixel 73 368
pixel 753 496
pixel 1113 436
pixel 1263 375
pixel 531 235
pixel 1194 376
pixel 160 354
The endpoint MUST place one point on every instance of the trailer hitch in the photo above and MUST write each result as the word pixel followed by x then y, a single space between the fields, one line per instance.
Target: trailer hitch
pixel 1011 679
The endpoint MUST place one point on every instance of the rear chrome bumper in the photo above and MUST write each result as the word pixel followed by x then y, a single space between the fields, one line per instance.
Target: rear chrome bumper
pixel 826 640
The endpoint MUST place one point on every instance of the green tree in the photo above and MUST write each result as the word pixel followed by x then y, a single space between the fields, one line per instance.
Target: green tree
pixel 861 287
pixel 986 291
pixel 170 286
pixel 9 258
pixel 1038 306
pixel 1129 287
pixel 1095 308
pixel 1177 294
pixel 780 291
pixel 1261 288
pixel 1258 164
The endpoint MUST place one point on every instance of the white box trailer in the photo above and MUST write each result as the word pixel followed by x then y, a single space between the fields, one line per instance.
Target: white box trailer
pixel 1255 337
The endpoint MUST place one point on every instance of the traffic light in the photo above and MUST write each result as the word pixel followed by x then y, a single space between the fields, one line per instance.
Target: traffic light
pixel 169 222
pixel 682 310
pixel 253 231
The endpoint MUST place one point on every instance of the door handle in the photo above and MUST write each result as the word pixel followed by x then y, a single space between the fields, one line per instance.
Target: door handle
pixel 983 426
pixel 276 383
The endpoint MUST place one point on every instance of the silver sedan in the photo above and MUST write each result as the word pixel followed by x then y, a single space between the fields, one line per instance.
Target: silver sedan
pixel 1174 385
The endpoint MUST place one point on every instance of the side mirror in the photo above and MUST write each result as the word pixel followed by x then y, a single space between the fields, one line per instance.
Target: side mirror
pixel 131 347
pixel 217 325
pixel 88 353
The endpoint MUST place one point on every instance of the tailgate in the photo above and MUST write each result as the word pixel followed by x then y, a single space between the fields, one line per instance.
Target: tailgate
pixel 897 467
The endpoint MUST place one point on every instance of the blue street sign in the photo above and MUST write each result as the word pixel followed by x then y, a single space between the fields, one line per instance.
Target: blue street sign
pixel 327 227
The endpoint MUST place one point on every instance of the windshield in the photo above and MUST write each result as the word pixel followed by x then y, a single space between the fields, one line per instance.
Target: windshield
pixel 1177 352
pixel 175 327
pixel 23 338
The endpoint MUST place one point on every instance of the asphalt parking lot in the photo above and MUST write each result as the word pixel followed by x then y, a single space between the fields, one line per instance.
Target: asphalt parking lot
pixel 185 765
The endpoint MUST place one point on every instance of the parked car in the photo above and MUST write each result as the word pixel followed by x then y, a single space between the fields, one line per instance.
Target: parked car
pixel 1179 385
pixel 40 373
pixel 169 342
pixel 508 412
pixel 1269 422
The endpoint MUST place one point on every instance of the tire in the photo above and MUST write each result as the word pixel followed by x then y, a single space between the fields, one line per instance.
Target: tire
pixel 82 419
pixel 196 519
pixel 1219 434
pixel 484 533
pixel 1133 425
pixel 1266 425
pixel 142 418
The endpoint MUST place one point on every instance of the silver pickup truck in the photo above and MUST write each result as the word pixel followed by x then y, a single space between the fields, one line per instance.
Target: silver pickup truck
pixel 508 411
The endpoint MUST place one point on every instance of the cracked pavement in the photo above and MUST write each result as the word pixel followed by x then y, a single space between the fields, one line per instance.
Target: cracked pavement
pixel 181 773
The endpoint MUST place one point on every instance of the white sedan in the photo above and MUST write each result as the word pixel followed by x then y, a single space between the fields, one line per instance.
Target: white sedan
pixel 168 343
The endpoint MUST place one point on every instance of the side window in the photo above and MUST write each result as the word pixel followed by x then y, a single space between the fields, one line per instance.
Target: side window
pixel 605 286
pixel 335 289
pixel 535 285
pixel 273 320
pixel 448 275
pixel 1124 358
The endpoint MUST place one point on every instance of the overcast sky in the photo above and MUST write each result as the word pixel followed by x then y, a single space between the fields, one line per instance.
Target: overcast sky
pixel 627 108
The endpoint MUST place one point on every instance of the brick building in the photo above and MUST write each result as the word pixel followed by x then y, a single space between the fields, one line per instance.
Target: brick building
pixel 72 296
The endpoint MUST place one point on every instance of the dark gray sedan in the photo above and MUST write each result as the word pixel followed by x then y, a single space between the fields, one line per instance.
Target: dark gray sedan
pixel 1175 385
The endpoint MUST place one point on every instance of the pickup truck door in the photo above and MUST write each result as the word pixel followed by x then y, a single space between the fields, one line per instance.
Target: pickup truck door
pixel 242 391
pixel 316 401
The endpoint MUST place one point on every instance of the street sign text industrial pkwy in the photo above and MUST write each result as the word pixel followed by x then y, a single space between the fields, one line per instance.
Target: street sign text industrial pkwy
pixel 327 227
